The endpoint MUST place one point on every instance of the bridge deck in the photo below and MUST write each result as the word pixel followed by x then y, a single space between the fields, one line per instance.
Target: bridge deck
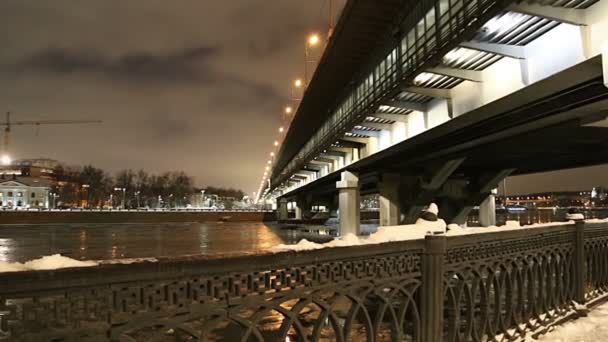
pixel 525 130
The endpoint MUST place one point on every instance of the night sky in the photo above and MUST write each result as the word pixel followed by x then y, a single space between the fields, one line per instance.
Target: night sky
pixel 185 85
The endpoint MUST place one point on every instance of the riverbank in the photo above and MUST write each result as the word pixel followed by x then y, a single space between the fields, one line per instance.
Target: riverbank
pixel 52 217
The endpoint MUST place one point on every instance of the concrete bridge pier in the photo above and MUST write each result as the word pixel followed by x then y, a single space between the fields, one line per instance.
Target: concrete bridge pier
pixel 303 208
pixel 390 211
pixel 283 213
pixel 487 211
pixel 349 203
pixel 462 197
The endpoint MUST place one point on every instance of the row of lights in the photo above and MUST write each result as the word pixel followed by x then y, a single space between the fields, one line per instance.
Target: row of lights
pixel 311 41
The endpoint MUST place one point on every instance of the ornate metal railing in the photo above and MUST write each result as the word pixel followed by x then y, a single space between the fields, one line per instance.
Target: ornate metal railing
pixel 493 287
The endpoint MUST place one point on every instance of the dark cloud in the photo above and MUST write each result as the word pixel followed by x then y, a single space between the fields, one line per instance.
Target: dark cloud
pixel 191 64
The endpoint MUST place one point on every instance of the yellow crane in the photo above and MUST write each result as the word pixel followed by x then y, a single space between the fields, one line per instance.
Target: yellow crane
pixel 5 159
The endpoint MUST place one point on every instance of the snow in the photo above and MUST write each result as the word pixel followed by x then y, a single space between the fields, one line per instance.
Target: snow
pixel 413 232
pixel 382 235
pixel 127 261
pixel 575 216
pixel 594 327
pixel 49 262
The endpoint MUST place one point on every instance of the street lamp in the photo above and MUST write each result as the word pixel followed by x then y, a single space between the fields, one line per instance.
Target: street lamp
pixel 276 143
pixel 137 196
pixel 6 159
pixel 85 187
pixel 310 42
pixel 124 192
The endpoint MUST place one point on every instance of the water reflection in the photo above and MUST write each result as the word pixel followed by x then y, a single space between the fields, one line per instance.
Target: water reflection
pixel 114 241
pixel 531 216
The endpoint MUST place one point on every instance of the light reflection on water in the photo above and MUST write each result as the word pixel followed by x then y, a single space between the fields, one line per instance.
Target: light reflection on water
pixel 531 216
pixel 114 241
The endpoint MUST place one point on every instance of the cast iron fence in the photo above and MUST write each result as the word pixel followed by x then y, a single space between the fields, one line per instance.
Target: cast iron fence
pixel 484 287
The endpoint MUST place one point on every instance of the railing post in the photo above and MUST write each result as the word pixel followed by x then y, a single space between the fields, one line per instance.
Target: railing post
pixel 431 295
pixel 579 263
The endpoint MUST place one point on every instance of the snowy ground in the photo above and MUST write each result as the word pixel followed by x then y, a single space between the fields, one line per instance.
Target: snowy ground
pixel 593 328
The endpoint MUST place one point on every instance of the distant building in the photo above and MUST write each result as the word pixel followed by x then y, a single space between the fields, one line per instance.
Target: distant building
pixel 41 167
pixel 24 192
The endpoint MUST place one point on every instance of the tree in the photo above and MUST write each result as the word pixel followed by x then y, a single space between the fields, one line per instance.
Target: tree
pixel 97 184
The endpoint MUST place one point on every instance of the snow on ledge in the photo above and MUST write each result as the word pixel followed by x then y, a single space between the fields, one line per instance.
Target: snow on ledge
pixel 412 232
pixel 383 234
pixel 49 262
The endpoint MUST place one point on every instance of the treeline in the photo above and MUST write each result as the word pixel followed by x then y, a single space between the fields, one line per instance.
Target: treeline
pixel 93 187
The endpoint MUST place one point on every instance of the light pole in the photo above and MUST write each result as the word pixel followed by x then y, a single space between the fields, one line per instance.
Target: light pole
pixel 85 187
pixel 137 196
pixel 124 193
pixel 310 42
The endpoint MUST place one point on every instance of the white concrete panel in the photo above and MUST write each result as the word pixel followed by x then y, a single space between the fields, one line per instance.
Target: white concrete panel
pixel 466 97
pixel 437 112
pixel 399 132
pixel 501 79
pixel 547 55
pixel 598 30
pixel 415 124
pixel 370 148
pixel 384 140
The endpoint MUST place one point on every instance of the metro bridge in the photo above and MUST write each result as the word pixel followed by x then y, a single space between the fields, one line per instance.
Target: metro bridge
pixel 424 101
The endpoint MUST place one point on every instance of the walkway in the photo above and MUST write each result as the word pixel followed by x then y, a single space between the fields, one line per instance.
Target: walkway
pixel 593 328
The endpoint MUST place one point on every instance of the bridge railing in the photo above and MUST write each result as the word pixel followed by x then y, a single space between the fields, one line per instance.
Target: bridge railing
pixel 490 286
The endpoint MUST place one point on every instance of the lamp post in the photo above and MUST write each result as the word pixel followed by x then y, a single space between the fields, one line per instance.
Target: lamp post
pixel 124 192
pixel 137 196
pixel 310 42
pixel 85 187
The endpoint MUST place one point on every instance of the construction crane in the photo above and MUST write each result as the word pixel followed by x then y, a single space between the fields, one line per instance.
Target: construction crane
pixel 5 159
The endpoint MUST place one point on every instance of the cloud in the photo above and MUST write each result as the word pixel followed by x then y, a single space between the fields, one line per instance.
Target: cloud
pixel 190 64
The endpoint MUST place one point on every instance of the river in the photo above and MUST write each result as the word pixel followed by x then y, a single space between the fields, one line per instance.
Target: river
pixel 118 241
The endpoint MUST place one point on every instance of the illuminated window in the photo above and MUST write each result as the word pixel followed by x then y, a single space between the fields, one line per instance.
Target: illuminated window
pixel 20 194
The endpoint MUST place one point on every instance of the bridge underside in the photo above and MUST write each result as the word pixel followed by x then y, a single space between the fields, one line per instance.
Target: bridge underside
pixel 556 123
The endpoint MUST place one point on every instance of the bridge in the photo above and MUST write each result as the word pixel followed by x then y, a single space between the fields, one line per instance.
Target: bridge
pixel 422 101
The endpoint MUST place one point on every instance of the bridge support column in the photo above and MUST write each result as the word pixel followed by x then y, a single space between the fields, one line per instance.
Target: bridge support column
pixel 349 203
pixel 487 211
pixel 422 190
pixel 473 194
pixel 605 63
pixel 282 209
pixel 303 208
pixel 389 199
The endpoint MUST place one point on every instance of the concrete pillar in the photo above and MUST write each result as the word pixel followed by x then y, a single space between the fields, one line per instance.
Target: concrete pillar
pixel 282 209
pixel 487 211
pixel 349 203
pixel 605 63
pixel 303 208
pixel 389 200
